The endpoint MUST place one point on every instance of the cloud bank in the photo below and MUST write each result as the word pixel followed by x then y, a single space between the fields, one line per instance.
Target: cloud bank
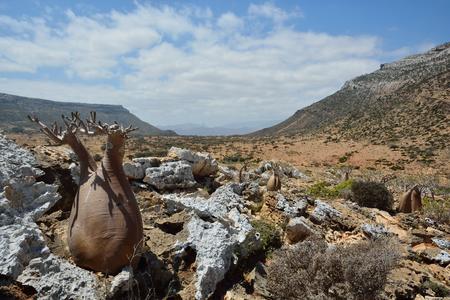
pixel 172 65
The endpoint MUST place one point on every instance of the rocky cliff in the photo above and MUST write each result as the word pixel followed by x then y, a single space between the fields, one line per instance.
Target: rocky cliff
pixel 405 100
pixel 14 111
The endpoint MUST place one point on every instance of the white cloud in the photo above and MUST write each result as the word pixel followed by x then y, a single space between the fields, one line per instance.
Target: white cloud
pixel 174 65
pixel 269 10
pixel 229 21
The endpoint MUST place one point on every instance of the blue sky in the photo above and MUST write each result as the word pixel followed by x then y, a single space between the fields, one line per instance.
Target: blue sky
pixel 206 62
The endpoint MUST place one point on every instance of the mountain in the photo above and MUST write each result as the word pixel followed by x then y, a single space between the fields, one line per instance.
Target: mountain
pixel 14 111
pixel 224 130
pixel 404 104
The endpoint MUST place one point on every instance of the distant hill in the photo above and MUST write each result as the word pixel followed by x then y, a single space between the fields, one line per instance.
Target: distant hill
pixel 14 111
pixel 404 104
pixel 240 128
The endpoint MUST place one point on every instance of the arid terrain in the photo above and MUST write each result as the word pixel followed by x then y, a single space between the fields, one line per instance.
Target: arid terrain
pixel 315 154
pixel 347 199
pixel 313 203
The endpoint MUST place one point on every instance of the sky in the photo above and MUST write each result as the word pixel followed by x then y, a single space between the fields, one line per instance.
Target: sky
pixel 206 62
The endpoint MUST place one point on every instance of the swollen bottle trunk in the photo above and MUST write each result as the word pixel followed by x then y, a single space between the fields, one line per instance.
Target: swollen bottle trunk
pixel 105 227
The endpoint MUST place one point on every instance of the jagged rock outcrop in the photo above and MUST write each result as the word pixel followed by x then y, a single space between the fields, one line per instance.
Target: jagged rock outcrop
pixel 136 169
pixel 293 208
pixel 216 240
pixel 223 200
pixel 56 278
pixel 24 255
pixel 13 157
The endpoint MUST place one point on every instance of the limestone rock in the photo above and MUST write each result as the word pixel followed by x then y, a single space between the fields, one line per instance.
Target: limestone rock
pixel 226 173
pixel 121 281
pixel 217 231
pixel 441 243
pixel 19 243
pixel 12 158
pixel 286 169
pixel 170 175
pixel 252 192
pixel 324 212
pixel 264 166
pixel 203 164
pixel 214 244
pixel 218 205
pixel 147 162
pixel 298 229
pixel 291 208
pixel 24 255
pixel 134 170
pixel 26 198
pixel 374 230
pixel 432 254
pixel 56 278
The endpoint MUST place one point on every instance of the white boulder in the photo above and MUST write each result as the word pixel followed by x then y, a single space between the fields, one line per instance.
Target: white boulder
pixel 324 212
pixel 134 170
pixel 203 164
pixel 170 176
pixel 218 240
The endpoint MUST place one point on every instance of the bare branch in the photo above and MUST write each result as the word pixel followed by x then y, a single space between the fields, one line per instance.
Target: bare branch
pixel 52 134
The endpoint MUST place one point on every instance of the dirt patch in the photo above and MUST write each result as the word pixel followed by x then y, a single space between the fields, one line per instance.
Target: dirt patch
pixel 14 290
pixel 54 228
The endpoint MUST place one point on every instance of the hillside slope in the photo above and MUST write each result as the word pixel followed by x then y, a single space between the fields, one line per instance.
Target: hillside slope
pixel 14 111
pixel 405 102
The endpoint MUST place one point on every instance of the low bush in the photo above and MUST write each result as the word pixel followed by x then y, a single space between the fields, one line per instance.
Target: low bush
pixel 438 289
pixel 438 210
pixel 269 235
pixel 325 190
pixel 371 194
pixel 151 153
pixel 314 270
pixel 235 158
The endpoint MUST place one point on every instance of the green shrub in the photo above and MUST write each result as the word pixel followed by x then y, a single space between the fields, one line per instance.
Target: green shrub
pixel 151 153
pixel 339 189
pixel 371 194
pixel 269 235
pixel 312 270
pixel 438 289
pixel 235 158
pixel 438 210
pixel 319 189
pixel 325 190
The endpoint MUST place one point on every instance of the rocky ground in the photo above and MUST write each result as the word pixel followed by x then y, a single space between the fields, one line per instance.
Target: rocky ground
pixel 209 231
